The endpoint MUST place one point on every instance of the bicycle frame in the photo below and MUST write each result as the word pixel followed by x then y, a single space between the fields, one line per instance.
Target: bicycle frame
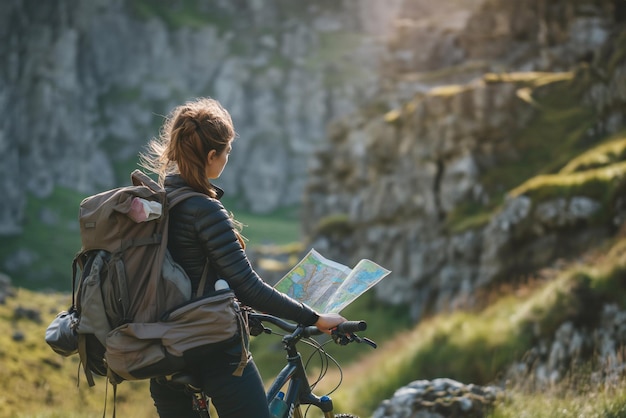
pixel 298 391
pixel 294 373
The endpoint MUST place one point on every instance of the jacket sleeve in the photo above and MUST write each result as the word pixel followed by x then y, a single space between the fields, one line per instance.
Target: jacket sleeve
pixel 215 231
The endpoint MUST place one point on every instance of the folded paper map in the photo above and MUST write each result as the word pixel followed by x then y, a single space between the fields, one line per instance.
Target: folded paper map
pixel 328 286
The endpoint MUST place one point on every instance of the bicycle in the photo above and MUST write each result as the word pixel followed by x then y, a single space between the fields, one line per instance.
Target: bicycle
pixel 299 392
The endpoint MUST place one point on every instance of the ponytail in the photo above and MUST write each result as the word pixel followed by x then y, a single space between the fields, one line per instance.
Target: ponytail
pixel 188 134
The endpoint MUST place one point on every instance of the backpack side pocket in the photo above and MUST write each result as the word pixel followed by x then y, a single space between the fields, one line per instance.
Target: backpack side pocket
pixel 93 320
pixel 134 351
pixel 61 333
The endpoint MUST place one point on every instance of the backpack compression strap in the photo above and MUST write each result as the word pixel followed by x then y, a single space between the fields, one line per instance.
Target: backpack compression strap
pixel 82 339
pixel 82 354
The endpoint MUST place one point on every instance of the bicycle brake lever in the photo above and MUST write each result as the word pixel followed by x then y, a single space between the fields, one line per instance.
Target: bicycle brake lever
pixel 341 339
pixel 370 343
pixel 364 340
pixel 255 331
pixel 345 339
pixel 257 328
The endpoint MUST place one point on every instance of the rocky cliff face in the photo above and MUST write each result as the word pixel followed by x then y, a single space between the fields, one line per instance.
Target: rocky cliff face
pixel 431 99
pixel 84 85
pixel 463 87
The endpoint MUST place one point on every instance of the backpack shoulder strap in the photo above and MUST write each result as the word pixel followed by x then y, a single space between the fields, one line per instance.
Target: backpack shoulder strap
pixel 202 284
pixel 175 197
pixel 178 195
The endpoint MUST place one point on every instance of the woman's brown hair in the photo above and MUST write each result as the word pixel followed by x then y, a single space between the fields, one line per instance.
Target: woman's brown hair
pixel 188 134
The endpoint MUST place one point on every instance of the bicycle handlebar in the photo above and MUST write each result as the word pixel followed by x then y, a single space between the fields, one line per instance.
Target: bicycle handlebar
pixel 342 334
pixel 349 327
pixel 281 323
pixel 346 327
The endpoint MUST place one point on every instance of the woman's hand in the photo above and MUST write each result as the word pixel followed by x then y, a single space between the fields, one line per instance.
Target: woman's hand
pixel 326 322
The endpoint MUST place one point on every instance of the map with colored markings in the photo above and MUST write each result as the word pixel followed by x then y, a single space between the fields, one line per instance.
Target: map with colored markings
pixel 328 286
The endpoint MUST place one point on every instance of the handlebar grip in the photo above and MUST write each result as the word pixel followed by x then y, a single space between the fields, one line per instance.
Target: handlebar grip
pixel 349 327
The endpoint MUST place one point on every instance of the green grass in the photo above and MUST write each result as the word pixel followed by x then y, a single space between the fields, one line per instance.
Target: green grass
pixel 36 382
pixel 603 185
pixel 611 151
pixel 553 403
pixel 475 347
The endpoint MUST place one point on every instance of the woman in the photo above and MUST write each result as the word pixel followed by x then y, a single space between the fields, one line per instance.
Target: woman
pixel 193 148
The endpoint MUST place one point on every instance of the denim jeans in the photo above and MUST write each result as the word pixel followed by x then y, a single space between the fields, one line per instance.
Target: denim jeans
pixel 232 396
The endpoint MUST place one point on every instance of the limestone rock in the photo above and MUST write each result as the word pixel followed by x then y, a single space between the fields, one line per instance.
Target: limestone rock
pixel 440 398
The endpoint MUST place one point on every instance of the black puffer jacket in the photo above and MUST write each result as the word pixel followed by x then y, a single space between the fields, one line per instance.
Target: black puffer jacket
pixel 200 228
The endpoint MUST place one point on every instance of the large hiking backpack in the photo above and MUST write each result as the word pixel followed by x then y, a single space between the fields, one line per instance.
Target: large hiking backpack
pixel 123 272
pixel 132 315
